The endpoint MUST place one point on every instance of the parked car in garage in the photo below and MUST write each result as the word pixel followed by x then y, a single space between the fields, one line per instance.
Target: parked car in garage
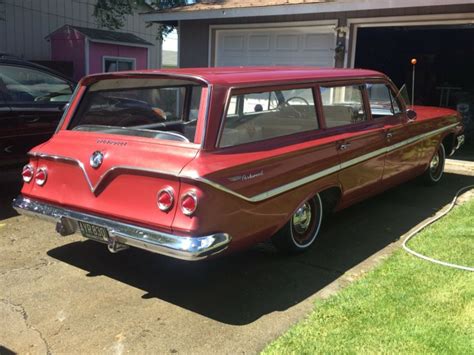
pixel 191 162
pixel 32 99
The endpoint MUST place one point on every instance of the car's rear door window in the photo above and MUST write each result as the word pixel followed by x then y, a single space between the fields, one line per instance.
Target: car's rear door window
pixel 343 105
pixel 267 114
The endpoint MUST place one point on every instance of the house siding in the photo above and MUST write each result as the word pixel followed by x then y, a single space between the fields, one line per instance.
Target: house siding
pixel 26 23
pixel 194 35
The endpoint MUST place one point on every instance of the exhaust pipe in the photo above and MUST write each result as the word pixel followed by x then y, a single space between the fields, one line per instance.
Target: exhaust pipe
pixel 114 246
pixel 65 227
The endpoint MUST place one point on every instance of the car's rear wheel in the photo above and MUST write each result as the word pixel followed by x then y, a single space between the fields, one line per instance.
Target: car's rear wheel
pixel 435 170
pixel 302 230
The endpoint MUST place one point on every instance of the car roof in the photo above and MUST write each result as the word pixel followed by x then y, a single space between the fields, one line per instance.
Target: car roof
pixel 244 76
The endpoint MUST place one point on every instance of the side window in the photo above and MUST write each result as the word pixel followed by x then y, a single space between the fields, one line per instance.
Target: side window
pixel 268 114
pixel 342 105
pixel 26 85
pixel 382 101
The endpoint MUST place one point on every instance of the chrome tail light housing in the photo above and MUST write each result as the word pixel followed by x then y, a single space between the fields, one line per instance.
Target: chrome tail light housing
pixel 189 202
pixel 165 198
pixel 27 173
pixel 41 176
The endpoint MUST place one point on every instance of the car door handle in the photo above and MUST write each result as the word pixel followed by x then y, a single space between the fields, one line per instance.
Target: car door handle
pixel 344 146
pixel 389 135
pixel 30 118
pixel 9 149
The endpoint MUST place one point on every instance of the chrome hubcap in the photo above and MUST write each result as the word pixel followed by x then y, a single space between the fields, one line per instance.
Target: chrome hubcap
pixel 434 162
pixel 302 218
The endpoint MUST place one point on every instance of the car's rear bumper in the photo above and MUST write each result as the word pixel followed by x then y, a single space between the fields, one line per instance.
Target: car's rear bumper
pixel 124 234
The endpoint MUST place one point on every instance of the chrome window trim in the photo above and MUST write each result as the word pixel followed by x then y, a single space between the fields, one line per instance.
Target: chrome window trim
pixel 68 108
pixel 264 195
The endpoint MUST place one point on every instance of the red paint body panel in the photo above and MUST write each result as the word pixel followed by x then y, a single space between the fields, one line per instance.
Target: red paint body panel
pixel 248 191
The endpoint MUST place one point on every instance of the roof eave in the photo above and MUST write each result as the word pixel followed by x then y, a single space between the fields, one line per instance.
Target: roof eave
pixel 293 9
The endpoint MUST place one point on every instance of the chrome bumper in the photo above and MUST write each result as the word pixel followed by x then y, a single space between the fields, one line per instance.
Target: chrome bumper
pixel 124 234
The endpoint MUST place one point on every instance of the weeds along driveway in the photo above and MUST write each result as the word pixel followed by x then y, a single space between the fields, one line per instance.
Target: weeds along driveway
pixel 70 295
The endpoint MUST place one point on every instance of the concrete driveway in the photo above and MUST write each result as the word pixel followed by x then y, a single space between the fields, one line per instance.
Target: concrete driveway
pixel 68 295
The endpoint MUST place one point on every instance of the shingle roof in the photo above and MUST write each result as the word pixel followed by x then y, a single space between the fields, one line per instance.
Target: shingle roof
pixel 231 4
pixel 110 36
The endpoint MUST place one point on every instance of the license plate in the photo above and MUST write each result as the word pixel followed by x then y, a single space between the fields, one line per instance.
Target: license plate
pixel 92 231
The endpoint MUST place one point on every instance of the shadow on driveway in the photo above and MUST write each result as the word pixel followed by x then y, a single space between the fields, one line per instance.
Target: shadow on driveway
pixel 238 289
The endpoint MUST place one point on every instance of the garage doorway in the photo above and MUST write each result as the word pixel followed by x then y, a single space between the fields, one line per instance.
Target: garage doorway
pixel 445 55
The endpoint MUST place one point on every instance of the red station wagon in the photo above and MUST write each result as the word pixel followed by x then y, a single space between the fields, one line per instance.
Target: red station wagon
pixel 191 162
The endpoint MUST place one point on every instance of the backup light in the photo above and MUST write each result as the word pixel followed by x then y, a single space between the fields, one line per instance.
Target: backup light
pixel 41 176
pixel 27 173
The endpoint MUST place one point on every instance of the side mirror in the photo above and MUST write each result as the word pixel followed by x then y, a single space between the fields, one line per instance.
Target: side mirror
pixel 411 115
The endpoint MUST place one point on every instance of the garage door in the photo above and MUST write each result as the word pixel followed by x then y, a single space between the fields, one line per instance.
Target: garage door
pixel 310 45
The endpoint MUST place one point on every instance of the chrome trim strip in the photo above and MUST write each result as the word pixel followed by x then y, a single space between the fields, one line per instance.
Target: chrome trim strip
pixel 264 195
pixel 93 188
pixel 323 173
pixel 176 246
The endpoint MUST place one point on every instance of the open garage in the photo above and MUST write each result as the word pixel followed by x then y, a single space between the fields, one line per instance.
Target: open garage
pixel 445 57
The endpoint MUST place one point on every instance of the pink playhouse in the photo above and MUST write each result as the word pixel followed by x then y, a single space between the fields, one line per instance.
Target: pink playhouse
pixel 96 51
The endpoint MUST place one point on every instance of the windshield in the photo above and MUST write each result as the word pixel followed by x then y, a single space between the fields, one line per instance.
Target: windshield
pixel 152 108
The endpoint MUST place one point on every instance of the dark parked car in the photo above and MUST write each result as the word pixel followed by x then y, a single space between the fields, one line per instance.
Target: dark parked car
pixel 32 99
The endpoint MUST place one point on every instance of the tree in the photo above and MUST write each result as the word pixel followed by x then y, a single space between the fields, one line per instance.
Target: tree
pixel 111 14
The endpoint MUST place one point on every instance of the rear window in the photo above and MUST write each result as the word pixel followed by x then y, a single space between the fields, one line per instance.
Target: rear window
pixel 263 115
pixel 152 108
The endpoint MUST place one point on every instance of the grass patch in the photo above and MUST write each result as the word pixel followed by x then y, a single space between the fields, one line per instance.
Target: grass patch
pixel 405 305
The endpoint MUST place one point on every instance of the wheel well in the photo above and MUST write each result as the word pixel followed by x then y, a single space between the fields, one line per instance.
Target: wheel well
pixel 448 143
pixel 330 197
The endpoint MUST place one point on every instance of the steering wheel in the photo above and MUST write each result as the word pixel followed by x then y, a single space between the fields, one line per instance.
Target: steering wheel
pixel 287 102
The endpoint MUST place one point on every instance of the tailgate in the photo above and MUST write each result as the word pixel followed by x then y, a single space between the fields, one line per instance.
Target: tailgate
pixel 123 187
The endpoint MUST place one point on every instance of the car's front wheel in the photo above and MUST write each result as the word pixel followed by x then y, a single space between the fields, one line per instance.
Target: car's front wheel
pixel 436 168
pixel 303 228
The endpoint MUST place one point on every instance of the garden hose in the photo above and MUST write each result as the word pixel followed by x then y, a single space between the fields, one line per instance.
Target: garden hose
pixel 429 222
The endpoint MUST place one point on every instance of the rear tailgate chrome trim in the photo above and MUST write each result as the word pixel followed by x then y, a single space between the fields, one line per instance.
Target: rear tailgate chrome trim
pixel 176 246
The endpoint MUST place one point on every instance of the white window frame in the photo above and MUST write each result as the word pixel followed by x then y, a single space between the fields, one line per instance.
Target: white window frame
pixel 123 59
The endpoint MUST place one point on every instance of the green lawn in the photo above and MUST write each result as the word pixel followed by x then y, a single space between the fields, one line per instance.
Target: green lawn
pixel 406 305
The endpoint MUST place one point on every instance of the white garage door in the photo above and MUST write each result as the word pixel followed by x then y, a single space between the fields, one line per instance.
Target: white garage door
pixel 309 45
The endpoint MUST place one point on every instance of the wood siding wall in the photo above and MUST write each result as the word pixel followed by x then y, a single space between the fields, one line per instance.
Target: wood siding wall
pixel 26 23
pixel 194 35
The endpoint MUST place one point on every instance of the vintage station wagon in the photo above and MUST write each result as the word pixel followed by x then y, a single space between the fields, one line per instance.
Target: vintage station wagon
pixel 191 162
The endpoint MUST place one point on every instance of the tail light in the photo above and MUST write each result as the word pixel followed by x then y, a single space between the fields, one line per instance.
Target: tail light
pixel 165 198
pixel 41 176
pixel 27 173
pixel 189 203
